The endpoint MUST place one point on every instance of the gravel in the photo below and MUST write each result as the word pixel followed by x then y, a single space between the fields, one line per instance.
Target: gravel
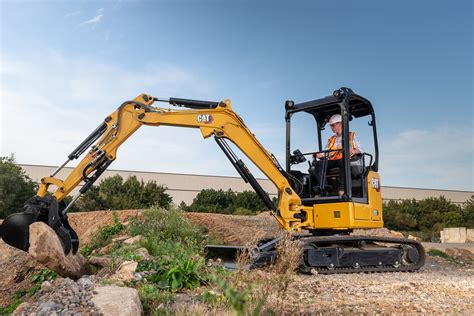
pixel 63 296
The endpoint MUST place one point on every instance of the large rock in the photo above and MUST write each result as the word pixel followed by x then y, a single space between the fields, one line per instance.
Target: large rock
pixel 46 248
pixel 117 301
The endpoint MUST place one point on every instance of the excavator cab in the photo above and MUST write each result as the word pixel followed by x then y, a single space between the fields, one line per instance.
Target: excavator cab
pixel 354 181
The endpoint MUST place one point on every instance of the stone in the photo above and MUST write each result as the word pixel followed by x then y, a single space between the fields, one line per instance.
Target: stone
pixel 46 286
pixel 460 253
pixel 46 248
pixel 125 271
pixel 120 239
pixel 143 253
pixel 106 249
pixel 414 238
pixel 133 240
pixel 101 261
pixel 115 300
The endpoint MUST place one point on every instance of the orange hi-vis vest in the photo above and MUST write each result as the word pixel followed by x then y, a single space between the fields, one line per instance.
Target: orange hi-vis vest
pixel 335 155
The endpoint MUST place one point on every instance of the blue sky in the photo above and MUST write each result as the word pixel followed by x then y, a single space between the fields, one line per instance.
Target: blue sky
pixel 66 65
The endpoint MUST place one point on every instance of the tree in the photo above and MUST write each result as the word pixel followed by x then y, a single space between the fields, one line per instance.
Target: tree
pixel 115 194
pixel 468 212
pixel 15 187
pixel 226 202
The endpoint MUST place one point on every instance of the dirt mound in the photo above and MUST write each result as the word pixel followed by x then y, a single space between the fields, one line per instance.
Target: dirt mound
pixel 236 229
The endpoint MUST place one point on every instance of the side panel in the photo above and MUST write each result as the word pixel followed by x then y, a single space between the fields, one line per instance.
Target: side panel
pixel 375 195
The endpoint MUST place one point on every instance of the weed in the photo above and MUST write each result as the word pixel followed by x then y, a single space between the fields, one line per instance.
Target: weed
pixel 39 277
pixel 174 274
pixel 151 297
pixel 103 236
pixel 438 253
pixel 17 300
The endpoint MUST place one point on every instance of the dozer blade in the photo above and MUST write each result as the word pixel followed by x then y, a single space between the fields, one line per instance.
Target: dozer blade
pixel 15 228
pixel 261 254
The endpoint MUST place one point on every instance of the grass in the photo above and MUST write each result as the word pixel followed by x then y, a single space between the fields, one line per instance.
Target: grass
pixel 103 236
pixel 438 253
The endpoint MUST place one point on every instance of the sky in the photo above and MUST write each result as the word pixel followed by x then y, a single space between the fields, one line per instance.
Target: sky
pixel 65 65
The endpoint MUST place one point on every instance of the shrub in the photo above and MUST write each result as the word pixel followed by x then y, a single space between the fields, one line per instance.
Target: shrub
pixel 15 187
pixel 226 202
pixel 428 215
pixel 115 194
pixel 178 248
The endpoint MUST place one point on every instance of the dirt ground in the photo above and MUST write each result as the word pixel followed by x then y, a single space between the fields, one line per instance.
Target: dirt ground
pixel 440 287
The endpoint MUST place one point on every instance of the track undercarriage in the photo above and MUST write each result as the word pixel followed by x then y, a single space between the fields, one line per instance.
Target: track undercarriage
pixel 335 254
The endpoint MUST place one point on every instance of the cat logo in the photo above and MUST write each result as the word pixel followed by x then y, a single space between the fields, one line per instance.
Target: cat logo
pixel 205 118
pixel 376 184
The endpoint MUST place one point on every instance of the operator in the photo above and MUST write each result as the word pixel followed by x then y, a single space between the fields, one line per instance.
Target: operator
pixel 334 158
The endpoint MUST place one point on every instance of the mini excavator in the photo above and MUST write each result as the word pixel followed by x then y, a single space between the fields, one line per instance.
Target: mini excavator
pixel 317 215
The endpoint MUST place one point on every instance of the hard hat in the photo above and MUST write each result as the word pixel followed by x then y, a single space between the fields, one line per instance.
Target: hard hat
pixel 336 118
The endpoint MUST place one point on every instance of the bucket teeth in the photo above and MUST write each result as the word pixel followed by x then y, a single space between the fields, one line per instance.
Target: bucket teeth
pixel 15 228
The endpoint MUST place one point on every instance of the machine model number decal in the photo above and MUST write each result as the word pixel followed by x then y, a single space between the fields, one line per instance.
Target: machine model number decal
pixel 376 184
pixel 205 118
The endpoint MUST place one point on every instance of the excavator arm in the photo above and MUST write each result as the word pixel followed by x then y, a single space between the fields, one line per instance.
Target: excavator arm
pixel 212 118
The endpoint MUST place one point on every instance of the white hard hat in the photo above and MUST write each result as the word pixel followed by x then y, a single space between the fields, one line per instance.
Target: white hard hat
pixel 336 118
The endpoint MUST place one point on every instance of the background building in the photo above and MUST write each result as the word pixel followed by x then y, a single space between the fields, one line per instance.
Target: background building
pixel 184 187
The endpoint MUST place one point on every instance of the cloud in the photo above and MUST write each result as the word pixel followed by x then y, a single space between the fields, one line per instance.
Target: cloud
pixel 73 13
pixel 47 119
pixel 437 157
pixel 96 19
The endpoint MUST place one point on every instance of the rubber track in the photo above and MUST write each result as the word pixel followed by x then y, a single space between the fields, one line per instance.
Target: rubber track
pixel 334 240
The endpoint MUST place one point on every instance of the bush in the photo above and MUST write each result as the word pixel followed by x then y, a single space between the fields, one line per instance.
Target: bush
pixel 428 216
pixel 115 194
pixel 226 202
pixel 15 187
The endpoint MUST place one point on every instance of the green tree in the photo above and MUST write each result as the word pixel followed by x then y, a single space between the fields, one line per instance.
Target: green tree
pixel 467 212
pixel 214 201
pixel 453 219
pixel 249 200
pixel 115 194
pixel 15 187
pixel 226 202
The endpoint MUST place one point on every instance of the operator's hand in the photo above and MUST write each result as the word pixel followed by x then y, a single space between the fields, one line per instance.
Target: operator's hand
pixel 318 156
pixel 354 152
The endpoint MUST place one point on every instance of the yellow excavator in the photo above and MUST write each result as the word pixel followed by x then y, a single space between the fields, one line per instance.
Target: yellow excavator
pixel 314 209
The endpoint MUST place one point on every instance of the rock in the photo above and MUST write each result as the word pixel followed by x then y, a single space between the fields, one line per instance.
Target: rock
pixel 115 300
pixel 46 286
pixel 47 307
pixel 143 253
pixel 106 249
pixel 125 271
pixel 46 248
pixel 133 240
pixel 101 261
pixel 120 238
pixel 459 253
pixel 414 238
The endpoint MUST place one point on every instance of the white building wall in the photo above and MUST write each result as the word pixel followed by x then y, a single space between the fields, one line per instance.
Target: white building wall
pixel 184 187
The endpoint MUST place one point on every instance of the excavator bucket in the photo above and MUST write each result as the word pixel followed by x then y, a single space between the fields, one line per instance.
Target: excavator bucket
pixel 15 228
pixel 261 254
